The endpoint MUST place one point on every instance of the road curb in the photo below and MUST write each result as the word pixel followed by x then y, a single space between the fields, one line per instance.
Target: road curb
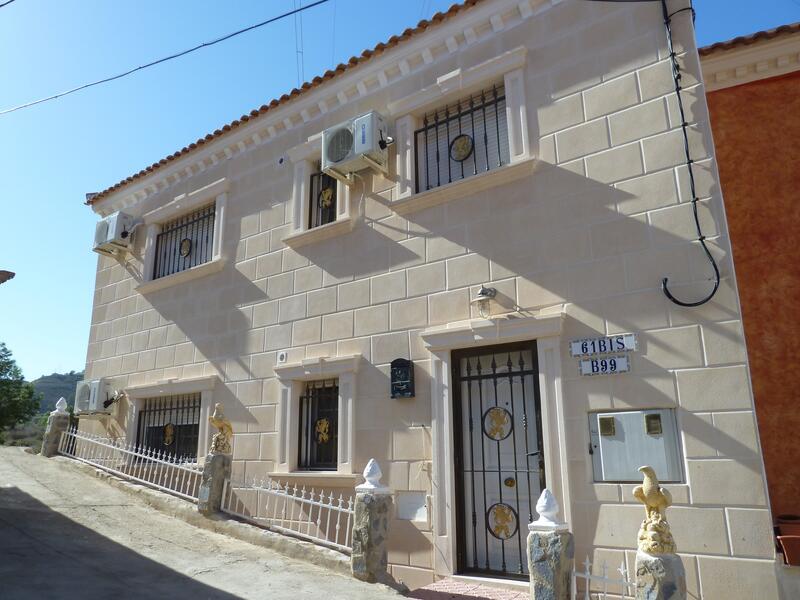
pixel 220 522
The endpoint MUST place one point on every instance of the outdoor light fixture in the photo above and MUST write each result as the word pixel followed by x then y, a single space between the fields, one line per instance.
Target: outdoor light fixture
pixel 483 299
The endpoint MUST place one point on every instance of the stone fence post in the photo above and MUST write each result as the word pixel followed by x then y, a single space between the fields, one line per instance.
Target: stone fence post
pixel 217 467
pixel 57 423
pixel 551 552
pixel 373 509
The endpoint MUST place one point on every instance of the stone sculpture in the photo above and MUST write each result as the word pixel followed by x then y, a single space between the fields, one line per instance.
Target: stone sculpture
pixel 221 442
pixel 654 534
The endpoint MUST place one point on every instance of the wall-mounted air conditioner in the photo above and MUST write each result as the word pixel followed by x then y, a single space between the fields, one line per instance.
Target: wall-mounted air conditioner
pixel 113 233
pixel 357 144
pixel 90 397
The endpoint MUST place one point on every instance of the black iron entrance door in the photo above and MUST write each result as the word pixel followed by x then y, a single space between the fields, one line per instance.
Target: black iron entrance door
pixel 499 458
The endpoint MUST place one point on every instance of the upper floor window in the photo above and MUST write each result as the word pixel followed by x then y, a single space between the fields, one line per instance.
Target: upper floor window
pixel 462 139
pixel 322 199
pixel 185 242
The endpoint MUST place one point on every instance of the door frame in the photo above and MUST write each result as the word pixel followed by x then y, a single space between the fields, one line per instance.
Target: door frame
pixel 458 443
pixel 440 342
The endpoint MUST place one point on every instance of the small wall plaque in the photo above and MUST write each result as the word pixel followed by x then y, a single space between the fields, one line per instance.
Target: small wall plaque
pixel 605 365
pixel 402 378
pixel 625 342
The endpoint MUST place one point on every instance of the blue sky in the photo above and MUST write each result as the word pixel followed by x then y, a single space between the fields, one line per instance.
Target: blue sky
pixel 52 154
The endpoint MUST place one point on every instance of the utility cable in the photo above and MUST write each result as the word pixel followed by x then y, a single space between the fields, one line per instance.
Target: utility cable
pixel 6 3
pixel 160 60
pixel 676 74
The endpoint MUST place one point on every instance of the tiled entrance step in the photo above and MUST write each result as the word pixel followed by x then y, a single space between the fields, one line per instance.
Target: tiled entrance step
pixel 454 589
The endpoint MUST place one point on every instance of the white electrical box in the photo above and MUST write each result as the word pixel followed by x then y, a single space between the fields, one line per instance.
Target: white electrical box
pixel 621 442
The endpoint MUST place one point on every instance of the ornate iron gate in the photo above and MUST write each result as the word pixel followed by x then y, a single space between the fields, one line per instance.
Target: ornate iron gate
pixel 499 455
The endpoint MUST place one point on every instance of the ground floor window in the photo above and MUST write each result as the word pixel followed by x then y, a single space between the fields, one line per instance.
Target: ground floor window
pixel 170 424
pixel 319 424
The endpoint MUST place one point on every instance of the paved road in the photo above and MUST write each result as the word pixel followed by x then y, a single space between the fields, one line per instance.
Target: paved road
pixel 67 535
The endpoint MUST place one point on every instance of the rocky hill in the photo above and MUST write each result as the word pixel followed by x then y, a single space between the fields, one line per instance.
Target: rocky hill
pixel 53 386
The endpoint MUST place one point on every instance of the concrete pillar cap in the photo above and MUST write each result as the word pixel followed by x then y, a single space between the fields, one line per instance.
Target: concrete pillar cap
pixel 372 475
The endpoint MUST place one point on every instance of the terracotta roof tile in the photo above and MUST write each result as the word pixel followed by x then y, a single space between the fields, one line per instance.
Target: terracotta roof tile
pixel 746 40
pixel 318 80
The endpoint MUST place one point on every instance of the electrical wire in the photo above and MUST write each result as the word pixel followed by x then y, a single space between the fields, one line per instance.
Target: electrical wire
pixel 676 74
pixel 160 60
pixel 6 3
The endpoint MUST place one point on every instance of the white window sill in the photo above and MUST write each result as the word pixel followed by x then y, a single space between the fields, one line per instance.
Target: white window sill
pixel 318 234
pixel 464 187
pixel 318 478
pixel 208 268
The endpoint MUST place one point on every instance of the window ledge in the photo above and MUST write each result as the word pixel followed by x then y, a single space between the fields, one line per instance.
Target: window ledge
pixel 318 234
pixel 208 268
pixel 318 478
pixel 464 187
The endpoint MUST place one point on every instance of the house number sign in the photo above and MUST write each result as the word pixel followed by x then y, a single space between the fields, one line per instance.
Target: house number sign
pixel 606 365
pixel 625 342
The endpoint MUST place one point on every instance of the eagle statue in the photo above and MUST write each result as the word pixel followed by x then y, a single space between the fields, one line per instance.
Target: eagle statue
pixel 654 535
pixel 221 442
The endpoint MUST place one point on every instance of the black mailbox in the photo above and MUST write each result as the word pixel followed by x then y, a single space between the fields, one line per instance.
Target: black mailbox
pixel 402 374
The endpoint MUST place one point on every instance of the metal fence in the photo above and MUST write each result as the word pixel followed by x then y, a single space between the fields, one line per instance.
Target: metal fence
pixel 602 587
pixel 317 516
pixel 176 475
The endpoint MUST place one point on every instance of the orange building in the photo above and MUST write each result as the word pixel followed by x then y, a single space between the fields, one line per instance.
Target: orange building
pixel 753 93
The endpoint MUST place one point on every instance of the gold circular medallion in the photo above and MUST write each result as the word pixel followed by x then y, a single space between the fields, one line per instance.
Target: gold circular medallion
pixel 322 429
pixel 461 147
pixel 186 247
pixel 501 521
pixel 497 423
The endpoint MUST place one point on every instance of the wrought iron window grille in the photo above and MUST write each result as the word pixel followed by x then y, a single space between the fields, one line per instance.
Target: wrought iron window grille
pixel 170 425
pixel 319 419
pixel 185 242
pixel 322 200
pixel 462 139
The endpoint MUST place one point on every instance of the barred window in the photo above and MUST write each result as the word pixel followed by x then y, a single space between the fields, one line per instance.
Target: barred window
pixel 319 420
pixel 463 139
pixel 185 242
pixel 170 424
pixel 322 203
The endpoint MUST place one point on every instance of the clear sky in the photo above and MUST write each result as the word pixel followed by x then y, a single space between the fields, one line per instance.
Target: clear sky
pixel 52 154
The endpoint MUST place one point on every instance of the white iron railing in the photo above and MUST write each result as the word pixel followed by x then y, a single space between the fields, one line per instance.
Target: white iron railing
pixel 176 475
pixel 605 586
pixel 317 516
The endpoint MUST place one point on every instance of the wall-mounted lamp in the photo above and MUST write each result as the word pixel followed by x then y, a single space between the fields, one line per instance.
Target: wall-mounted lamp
pixel 483 300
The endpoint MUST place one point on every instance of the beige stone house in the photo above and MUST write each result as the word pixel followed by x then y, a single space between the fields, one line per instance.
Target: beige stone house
pixel 536 150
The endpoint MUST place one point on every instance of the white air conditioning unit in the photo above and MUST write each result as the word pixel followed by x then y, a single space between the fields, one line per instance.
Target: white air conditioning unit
pixel 113 233
pixel 90 396
pixel 355 145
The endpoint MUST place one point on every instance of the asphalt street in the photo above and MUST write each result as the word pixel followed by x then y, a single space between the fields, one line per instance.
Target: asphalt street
pixel 66 534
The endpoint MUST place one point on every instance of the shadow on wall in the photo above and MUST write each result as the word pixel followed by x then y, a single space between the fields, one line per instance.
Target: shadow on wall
pixel 47 555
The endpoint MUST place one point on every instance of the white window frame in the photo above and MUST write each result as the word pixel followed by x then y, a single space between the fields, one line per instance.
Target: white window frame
pixel 292 378
pixel 305 158
pixel 216 192
pixel 451 87
pixel 138 395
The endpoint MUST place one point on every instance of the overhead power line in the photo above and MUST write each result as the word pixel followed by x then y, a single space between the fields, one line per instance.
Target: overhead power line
pixel 6 3
pixel 160 60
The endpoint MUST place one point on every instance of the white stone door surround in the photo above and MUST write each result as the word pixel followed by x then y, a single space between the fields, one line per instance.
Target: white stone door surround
pixel 440 341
